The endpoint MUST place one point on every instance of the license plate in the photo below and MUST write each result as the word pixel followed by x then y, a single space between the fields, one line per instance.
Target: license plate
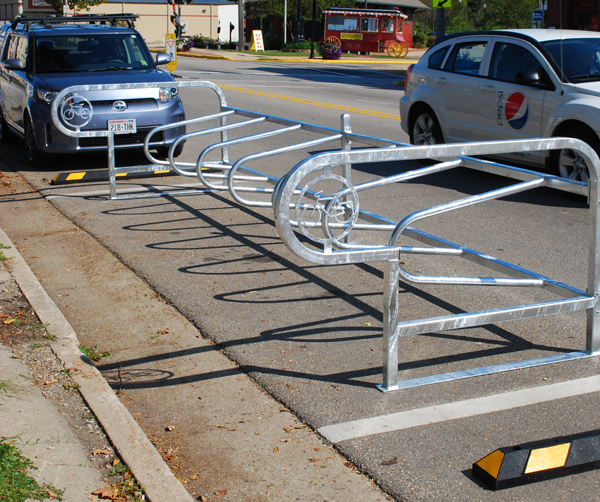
pixel 122 126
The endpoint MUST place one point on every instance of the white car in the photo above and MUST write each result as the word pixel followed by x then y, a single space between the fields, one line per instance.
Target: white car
pixel 508 84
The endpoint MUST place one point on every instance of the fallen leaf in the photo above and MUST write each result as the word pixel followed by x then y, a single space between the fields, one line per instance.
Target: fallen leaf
pixel 116 461
pixel 10 321
pixel 317 449
pixel 348 464
pixel 50 382
pixel 392 461
pixel 288 429
pixel 300 427
pixel 194 476
pixel 276 449
pixel 286 440
pixel 100 452
pixel 50 493
pixel 92 498
pixel 221 492
pixel 107 492
pixel 126 475
pixel 203 498
pixel 170 428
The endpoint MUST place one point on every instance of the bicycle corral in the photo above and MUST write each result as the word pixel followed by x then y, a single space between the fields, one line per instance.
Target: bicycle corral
pixel 320 216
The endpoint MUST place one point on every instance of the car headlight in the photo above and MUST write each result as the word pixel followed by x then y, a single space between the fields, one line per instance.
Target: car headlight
pixel 45 96
pixel 167 94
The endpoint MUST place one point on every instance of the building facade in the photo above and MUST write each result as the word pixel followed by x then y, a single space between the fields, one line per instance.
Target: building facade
pixel 573 14
pixel 202 17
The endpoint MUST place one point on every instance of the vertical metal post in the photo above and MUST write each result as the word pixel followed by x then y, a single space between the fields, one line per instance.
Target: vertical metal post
pixel 346 168
pixel 390 324
pixel 112 178
pixel 224 150
pixel 593 315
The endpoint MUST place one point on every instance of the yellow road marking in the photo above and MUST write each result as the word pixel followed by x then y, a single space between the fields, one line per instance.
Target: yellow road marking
pixel 390 116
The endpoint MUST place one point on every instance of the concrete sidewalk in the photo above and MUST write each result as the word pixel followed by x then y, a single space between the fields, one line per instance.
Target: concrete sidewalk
pixel 39 415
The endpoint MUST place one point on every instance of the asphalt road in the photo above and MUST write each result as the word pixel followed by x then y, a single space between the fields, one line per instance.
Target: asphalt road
pixel 311 335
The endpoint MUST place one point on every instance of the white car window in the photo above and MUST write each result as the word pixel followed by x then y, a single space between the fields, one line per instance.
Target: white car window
pixel 466 58
pixel 437 58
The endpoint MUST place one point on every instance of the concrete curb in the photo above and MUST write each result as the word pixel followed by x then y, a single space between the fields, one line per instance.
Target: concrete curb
pixel 295 60
pixel 127 437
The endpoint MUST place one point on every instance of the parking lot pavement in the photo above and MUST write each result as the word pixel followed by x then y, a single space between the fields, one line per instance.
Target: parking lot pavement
pixel 222 436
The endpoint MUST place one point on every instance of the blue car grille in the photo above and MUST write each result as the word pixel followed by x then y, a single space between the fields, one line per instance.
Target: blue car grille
pixel 123 139
pixel 128 101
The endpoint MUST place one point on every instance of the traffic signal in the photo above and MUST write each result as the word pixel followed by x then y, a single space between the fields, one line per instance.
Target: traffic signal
pixel 182 2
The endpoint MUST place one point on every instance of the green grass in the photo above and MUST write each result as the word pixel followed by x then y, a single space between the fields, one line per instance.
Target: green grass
pixel 15 484
pixel 2 255
pixel 93 353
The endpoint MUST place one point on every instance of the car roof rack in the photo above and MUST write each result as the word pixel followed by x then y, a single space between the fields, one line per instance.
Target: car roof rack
pixel 112 19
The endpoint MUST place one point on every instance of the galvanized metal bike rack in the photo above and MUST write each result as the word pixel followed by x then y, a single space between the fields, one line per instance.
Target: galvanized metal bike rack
pixel 326 222
pixel 224 172
pixel 329 221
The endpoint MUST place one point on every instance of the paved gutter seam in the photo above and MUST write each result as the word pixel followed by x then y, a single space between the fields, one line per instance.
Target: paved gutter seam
pixel 125 434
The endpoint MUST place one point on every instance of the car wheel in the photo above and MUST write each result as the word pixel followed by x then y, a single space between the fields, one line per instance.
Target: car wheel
pixel 164 151
pixel 6 135
pixel 34 156
pixel 425 129
pixel 568 163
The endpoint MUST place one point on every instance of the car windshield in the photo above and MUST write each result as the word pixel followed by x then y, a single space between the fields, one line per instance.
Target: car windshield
pixel 579 59
pixel 86 53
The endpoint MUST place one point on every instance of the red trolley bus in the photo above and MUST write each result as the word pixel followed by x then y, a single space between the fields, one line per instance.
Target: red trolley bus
pixel 366 30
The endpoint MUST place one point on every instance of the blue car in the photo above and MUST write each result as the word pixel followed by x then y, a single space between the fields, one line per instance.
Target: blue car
pixel 42 56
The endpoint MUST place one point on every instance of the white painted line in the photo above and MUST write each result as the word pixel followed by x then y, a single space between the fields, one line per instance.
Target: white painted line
pixel 461 409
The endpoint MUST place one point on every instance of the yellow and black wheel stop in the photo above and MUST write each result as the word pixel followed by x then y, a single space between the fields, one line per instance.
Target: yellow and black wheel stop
pixel 519 465
pixel 102 175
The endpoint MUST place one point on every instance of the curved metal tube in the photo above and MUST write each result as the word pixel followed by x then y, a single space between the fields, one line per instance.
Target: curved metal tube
pixel 236 141
pixel 153 159
pixel 231 178
pixel 183 137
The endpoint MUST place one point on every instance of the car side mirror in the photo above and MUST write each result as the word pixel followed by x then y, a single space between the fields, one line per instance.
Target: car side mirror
pixel 163 58
pixel 13 64
pixel 527 78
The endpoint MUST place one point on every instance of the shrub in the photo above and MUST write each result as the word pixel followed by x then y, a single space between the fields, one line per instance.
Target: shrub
pixel 297 46
pixel 329 50
pixel 184 44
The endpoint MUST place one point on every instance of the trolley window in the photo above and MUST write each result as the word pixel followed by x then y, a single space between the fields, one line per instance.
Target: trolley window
pixel 387 25
pixel 369 24
pixel 342 23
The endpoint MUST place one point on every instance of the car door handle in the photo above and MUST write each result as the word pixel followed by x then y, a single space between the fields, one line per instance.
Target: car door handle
pixel 441 80
pixel 488 88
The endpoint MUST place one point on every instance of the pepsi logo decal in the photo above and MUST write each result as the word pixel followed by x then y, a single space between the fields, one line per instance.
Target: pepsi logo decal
pixel 516 110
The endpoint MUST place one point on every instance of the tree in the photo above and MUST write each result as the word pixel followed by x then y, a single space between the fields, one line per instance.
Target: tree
pixel 479 15
pixel 264 8
pixel 75 5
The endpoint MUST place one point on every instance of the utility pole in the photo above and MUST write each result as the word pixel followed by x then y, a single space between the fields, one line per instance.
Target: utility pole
pixel 300 35
pixel 313 15
pixel 241 39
